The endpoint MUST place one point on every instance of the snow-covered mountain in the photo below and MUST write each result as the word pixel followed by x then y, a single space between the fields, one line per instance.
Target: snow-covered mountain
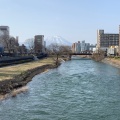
pixel 57 40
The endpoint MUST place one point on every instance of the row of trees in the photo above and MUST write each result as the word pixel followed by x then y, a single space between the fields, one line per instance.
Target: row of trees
pixel 58 50
pixel 30 44
pixel 51 49
pixel 12 46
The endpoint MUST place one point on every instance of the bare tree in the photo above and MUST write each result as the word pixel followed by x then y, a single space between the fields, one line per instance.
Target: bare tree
pixel 22 49
pixel 59 50
pixel 7 42
pixel 54 49
pixel 99 55
pixel 30 44
pixel 65 50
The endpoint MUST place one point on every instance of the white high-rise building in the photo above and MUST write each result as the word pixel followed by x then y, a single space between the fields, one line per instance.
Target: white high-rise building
pixel 83 45
pixel 78 47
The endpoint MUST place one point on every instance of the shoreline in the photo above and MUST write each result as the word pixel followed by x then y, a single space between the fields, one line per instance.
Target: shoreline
pixel 12 87
pixel 14 93
pixel 17 84
pixel 111 61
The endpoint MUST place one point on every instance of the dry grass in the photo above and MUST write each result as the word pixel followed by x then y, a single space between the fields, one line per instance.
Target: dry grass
pixel 11 71
pixel 115 61
pixel 112 61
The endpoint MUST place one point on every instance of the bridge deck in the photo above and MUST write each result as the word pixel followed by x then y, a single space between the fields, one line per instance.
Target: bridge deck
pixel 81 54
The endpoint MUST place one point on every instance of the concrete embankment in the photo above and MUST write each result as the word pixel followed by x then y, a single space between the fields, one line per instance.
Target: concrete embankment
pixel 14 77
pixel 112 61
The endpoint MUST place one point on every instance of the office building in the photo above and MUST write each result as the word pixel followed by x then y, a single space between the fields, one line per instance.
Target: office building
pixel 119 41
pixel 4 30
pixel 87 46
pixel 39 43
pixel 76 47
pixel 73 48
pixel 105 40
pixel 83 45
pixel 79 47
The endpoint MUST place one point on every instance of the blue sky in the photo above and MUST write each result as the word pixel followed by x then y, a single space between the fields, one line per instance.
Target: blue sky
pixel 74 20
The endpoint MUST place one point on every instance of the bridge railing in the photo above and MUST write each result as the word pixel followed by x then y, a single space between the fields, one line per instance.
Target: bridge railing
pixel 81 53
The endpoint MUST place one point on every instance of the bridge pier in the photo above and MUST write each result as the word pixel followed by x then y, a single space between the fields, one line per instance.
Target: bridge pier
pixel 70 56
pixel 85 53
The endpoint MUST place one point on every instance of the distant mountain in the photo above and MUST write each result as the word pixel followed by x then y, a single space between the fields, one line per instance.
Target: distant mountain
pixel 57 40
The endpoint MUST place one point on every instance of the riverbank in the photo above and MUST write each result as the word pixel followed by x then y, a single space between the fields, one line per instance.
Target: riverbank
pixel 112 61
pixel 17 76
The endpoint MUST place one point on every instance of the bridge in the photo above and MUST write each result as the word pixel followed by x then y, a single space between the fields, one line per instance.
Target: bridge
pixel 84 53
pixel 80 54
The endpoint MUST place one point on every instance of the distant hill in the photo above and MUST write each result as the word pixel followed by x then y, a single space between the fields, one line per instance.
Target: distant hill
pixel 57 40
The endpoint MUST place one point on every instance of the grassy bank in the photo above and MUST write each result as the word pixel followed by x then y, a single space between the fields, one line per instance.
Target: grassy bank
pixel 10 72
pixel 17 76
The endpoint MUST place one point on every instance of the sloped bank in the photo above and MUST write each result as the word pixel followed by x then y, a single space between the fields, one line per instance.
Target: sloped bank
pixel 98 56
pixel 112 61
pixel 20 80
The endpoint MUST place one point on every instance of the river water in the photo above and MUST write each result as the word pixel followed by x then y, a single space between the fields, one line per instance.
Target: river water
pixel 76 90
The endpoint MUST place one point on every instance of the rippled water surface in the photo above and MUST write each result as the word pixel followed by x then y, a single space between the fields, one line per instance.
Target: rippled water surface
pixel 77 90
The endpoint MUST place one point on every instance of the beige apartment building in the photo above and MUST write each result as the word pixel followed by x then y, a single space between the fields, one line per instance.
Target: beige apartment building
pixel 106 40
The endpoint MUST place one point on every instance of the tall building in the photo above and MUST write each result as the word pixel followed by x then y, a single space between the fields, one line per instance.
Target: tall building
pixel 119 40
pixel 4 30
pixel 1 33
pixel 9 44
pixel 73 47
pixel 105 40
pixel 16 41
pixel 80 47
pixel 44 49
pixel 39 43
pixel 76 47
pixel 83 45
pixel 87 46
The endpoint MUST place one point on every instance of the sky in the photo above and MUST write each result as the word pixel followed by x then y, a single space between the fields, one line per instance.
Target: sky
pixel 74 20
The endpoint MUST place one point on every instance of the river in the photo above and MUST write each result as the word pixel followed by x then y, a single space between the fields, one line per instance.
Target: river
pixel 76 90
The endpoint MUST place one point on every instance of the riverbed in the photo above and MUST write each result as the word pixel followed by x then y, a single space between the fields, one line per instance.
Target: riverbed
pixel 76 90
